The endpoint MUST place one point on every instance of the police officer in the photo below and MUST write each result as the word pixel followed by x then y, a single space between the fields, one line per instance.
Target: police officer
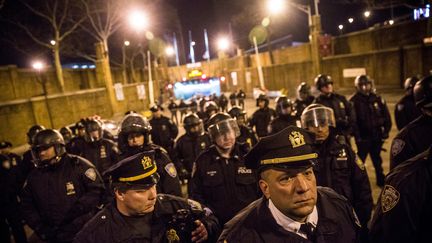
pixel 139 214
pixel 210 108
pixel 164 131
pixel 403 210
pixel 10 215
pixel 293 208
pixel 405 109
pixel 134 137
pixel 220 179
pixel 416 137
pixel 172 107
pixel 223 102
pixel 241 96
pixel 261 118
pixel 337 165
pixel 27 164
pixel 304 98
pixel 233 99
pixel 62 193
pixel 5 149
pixel 285 117
pixel 182 107
pixel 373 123
pixel 101 152
pixel 343 111
pixel 67 134
pixel 247 134
pixel 77 142
pixel 190 144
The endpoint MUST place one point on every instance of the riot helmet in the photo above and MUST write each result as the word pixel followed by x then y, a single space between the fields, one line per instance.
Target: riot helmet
pixel 322 80
pixel 211 108
pixel 423 93
pixel 303 91
pixel 66 132
pixel 262 97
pixel 94 131
pixel 133 124
pixel 364 84
pixel 239 114
pixel 220 124
pixel 44 140
pixel 193 124
pixel 410 83
pixel 32 132
pixel 80 128
pixel 318 119
pixel 284 106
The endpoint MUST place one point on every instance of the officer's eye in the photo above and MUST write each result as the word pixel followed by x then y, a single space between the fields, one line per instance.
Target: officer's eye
pixel 285 179
pixel 308 173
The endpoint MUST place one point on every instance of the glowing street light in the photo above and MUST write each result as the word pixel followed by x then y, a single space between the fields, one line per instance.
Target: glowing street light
pixel 223 43
pixel 138 20
pixel 340 27
pixel 367 14
pixel 169 51
pixel 350 20
pixel 38 65
pixel 53 42
pixel 391 21
pixel 275 6
pixel 126 43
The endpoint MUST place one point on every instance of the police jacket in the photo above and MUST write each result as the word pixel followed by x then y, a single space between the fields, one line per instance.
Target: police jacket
pixel 403 212
pixel 110 226
pixel 256 224
pixel 172 106
pixel 339 169
pixel 415 138
pixel 405 111
pixel 59 199
pixel 27 164
pixel 102 154
pixel 247 135
pixel 343 111
pixel 261 119
pixel 10 186
pixel 163 132
pixel 224 185
pixel 281 122
pixel 189 147
pixel 372 117
pixel 300 105
pixel 169 181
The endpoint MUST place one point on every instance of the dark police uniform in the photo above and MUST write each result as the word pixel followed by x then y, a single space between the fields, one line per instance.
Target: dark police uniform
pixel 233 99
pixel 223 102
pixel 102 154
pixel 224 185
pixel 188 148
pixel 172 107
pixel 58 200
pixel 247 136
pixel 411 140
pixel 404 211
pixel 405 111
pixel 163 132
pixel 138 172
pixel 290 150
pixel 339 169
pixel 241 96
pixel 373 124
pixel 300 105
pixel 261 119
pixel 343 112
pixel 27 164
pixel 281 122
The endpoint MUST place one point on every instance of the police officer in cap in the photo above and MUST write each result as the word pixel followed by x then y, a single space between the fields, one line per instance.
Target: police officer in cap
pixel 405 109
pixel 27 164
pixel 63 193
pixel 247 134
pixel 373 123
pixel 134 137
pixel 261 118
pixel 285 117
pixel 293 208
pixel 343 111
pixel 139 214
pixel 416 137
pixel 337 165
pixel 15 159
pixel 220 179
pixel 403 210
pixel 164 131
pixel 304 98
pixel 172 107
pixel 190 144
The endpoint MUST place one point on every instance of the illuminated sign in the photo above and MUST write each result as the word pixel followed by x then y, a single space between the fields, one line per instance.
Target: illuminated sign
pixel 195 73
pixel 421 13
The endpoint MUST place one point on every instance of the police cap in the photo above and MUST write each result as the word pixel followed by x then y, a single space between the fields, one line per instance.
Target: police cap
pixel 137 171
pixel 5 144
pixel 289 149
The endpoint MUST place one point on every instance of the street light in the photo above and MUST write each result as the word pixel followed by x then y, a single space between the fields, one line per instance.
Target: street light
pixel 350 20
pixel 391 21
pixel 340 27
pixel 39 66
pixel 138 20
pixel 367 13
pixel 53 42
pixel 275 6
pixel 126 43
pixel 223 43
pixel 169 51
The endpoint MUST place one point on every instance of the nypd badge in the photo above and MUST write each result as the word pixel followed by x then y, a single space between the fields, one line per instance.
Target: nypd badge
pixel 389 198
pixel 171 170
pixel 397 146
pixel 146 162
pixel 296 139
pixel 91 174
pixel 70 189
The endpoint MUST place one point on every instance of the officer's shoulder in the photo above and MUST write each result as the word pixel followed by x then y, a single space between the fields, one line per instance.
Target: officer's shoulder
pixel 330 194
pixel 100 220
pixel 411 169
pixel 108 141
pixel 171 203
pixel 246 218
pixel 79 161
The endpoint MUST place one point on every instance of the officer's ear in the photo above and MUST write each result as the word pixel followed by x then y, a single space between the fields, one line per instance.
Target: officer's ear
pixel 119 194
pixel 264 188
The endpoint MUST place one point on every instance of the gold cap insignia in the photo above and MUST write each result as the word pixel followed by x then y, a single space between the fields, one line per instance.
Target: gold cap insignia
pixel 296 139
pixel 146 162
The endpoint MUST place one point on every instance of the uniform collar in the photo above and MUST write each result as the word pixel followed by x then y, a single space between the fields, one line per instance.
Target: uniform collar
pixel 289 224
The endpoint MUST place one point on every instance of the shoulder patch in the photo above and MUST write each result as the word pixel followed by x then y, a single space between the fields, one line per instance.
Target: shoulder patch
pixel 171 170
pixel 91 174
pixel 389 198
pixel 359 163
pixel 397 146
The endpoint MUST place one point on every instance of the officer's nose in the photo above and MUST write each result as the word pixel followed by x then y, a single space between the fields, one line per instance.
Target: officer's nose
pixel 153 192
pixel 301 183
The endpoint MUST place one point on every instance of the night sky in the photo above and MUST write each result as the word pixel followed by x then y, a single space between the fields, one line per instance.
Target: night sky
pixel 217 15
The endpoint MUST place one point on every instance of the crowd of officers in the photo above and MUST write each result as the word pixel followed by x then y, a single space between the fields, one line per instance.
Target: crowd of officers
pixel 288 174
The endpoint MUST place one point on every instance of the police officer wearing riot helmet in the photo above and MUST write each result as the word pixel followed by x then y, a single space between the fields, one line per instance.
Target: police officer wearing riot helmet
pixel 261 118
pixel 304 98
pixel 57 212
pixel 67 134
pixel 77 142
pixel 10 214
pixel 372 124
pixel 416 137
pixel 293 208
pixel 134 137
pixel 403 210
pixel 220 179
pixel 190 144
pixel 27 164
pixel 405 109
pixel 139 214
pixel 285 117
pixel 223 102
pixel 164 131
pixel 343 110
pixel 15 159
pixel 101 152
pixel 247 134
pixel 337 165
pixel 210 108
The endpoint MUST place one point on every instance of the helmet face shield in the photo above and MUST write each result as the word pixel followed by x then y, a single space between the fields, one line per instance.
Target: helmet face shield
pixel 318 117
pixel 224 127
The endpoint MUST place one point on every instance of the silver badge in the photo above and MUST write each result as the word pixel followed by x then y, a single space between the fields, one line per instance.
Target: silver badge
pixel 397 146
